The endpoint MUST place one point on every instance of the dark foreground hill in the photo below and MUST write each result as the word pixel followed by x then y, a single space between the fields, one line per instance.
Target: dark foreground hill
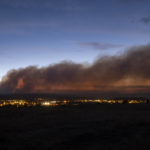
pixel 81 127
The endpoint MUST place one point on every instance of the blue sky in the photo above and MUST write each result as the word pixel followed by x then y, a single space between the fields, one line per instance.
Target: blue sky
pixel 43 32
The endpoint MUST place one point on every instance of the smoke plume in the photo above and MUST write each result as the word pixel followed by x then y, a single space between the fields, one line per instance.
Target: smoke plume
pixel 127 73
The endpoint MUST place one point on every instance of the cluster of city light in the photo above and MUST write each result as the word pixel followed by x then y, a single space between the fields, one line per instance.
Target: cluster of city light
pixel 44 102
pixel 49 103
pixel 101 101
pixel 16 103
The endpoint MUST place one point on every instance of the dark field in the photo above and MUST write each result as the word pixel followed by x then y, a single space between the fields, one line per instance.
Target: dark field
pixel 81 127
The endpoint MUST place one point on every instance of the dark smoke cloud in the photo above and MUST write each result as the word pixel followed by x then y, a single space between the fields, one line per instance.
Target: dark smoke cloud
pixel 127 73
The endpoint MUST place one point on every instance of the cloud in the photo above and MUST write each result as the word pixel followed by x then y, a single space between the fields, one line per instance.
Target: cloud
pixel 127 73
pixel 145 20
pixel 100 46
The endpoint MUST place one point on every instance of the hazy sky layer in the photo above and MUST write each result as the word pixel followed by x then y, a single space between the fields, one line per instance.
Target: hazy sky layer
pixel 43 32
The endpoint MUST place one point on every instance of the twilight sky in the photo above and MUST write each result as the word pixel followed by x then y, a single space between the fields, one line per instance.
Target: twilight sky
pixel 43 32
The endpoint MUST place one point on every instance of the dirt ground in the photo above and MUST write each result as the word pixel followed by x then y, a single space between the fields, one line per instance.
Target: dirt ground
pixel 81 127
